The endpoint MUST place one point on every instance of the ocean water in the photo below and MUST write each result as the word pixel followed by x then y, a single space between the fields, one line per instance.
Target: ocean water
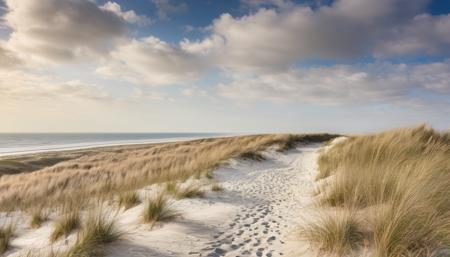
pixel 23 143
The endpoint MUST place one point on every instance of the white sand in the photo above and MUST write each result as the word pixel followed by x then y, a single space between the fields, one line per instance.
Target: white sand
pixel 257 214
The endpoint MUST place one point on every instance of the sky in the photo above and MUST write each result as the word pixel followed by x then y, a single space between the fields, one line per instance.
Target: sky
pixel 241 66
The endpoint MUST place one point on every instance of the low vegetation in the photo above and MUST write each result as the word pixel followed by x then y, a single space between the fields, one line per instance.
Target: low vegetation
pixel 98 230
pixel 128 199
pixel 158 209
pixel 38 216
pixel 216 188
pixel 64 225
pixel 252 155
pixel 190 191
pixel 102 173
pixel 397 180
pixel 337 232
pixel 6 234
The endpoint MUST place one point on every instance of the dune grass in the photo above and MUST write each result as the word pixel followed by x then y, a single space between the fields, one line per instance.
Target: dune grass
pixel 337 232
pixel 6 234
pixel 128 200
pixel 104 173
pixel 216 188
pixel 190 191
pixel 37 217
pixel 158 209
pixel 65 224
pixel 171 188
pixel 98 230
pixel 252 155
pixel 400 181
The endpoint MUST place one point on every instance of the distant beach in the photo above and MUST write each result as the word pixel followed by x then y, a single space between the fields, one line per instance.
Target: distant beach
pixel 27 143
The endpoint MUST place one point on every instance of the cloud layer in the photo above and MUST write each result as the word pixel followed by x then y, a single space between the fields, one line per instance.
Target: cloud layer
pixel 257 53
pixel 344 84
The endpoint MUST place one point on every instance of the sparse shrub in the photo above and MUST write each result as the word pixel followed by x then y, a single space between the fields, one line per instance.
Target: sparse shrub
pixel 336 233
pixel 98 230
pixel 6 234
pixel 128 199
pixel 158 209
pixel 65 224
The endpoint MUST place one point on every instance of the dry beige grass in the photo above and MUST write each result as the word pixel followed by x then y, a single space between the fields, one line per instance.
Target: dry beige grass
pixel 65 224
pixel 38 216
pixel 128 199
pixel 100 174
pixel 398 180
pixel 6 234
pixel 216 188
pixel 98 230
pixel 338 232
pixel 190 191
pixel 158 209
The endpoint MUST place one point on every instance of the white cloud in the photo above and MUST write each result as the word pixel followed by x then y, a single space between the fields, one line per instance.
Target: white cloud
pixel 343 84
pixel 20 85
pixel 129 16
pixel 425 35
pixel 166 7
pixel 61 30
pixel 153 62
pixel 273 39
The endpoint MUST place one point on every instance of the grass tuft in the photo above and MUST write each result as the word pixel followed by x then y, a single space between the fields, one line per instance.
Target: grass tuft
pixel 252 155
pixel 128 200
pixel 190 191
pixel 158 209
pixel 98 230
pixel 216 188
pixel 336 233
pixel 6 234
pixel 65 224
pixel 38 216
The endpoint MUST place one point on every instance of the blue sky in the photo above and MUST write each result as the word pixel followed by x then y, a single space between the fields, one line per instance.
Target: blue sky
pixel 223 66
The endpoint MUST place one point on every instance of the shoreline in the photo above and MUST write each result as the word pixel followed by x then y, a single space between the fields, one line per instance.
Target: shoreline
pixel 99 145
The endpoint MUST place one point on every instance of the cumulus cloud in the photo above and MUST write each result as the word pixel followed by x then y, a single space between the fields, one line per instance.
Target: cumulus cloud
pixel 154 62
pixel 166 7
pixel 343 84
pixel 129 16
pixel 61 30
pixel 273 39
pixel 425 35
pixel 20 85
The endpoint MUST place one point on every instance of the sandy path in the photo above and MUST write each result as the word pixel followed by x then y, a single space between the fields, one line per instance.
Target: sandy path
pixel 273 195
pixel 256 214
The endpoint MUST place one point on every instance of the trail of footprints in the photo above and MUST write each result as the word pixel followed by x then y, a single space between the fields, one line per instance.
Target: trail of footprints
pixel 257 228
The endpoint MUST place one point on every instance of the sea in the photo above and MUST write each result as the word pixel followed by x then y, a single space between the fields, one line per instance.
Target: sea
pixel 25 143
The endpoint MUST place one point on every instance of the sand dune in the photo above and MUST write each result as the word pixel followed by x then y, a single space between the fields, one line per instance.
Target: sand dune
pixel 256 214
